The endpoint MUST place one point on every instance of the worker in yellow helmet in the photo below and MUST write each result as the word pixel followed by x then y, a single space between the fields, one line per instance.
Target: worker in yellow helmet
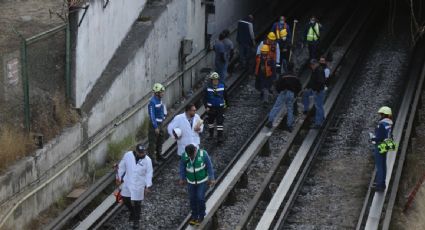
pixel 264 72
pixel 284 45
pixel 382 139
pixel 312 37
pixel 157 112
pixel 274 49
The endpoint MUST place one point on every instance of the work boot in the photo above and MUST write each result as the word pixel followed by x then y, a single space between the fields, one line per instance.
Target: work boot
pixel 269 124
pixel 219 137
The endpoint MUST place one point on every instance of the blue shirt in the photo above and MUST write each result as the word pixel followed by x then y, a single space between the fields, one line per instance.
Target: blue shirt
pixel 383 130
pixel 156 111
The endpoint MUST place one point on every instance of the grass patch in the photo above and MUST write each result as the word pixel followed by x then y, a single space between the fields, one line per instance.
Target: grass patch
pixel 14 144
pixel 116 149
pixel 142 131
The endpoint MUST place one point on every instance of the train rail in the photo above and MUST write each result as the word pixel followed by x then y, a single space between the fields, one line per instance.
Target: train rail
pixel 377 203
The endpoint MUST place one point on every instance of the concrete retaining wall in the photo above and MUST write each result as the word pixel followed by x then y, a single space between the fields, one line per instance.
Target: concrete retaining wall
pixel 99 35
pixel 26 174
pixel 156 61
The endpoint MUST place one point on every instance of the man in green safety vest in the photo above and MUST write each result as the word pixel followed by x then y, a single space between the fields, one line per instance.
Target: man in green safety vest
pixel 312 37
pixel 197 170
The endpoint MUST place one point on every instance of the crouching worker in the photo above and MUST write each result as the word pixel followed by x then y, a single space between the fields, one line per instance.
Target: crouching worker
pixel 196 168
pixel 135 174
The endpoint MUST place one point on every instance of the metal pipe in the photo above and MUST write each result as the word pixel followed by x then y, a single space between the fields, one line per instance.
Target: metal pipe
pixel 25 83
pixel 44 34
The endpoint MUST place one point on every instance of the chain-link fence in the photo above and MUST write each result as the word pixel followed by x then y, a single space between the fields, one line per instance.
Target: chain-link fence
pixel 38 83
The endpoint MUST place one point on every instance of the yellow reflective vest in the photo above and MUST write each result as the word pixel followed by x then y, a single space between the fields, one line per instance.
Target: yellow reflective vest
pixel 313 33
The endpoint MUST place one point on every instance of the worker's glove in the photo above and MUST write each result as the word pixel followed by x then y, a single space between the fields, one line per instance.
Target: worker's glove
pixel 371 136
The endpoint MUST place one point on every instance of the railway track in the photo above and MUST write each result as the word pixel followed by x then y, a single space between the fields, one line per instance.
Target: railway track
pixel 254 178
pixel 109 208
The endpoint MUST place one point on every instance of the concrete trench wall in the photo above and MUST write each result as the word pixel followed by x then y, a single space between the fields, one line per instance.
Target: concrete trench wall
pixel 156 61
pixel 99 35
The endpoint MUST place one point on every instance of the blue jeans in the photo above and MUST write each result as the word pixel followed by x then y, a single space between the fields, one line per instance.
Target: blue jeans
pixel 197 199
pixel 381 168
pixel 221 69
pixel 306 98
pixel 319 97
pixel 286 98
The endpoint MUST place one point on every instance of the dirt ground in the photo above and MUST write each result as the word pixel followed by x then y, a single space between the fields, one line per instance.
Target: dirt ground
pixel 413 170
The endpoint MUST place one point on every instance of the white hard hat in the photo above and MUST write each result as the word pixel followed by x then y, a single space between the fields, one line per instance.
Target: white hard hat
pixel 177 132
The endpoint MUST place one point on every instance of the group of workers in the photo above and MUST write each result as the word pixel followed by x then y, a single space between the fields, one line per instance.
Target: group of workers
pixel 272 67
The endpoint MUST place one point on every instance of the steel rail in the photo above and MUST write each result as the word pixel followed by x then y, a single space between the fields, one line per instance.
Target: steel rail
pixel 268 179
pixel 236 173
pixel 378 202
pixel 275 214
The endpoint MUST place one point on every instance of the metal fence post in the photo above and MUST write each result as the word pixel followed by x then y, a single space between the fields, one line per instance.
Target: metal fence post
pixel 68 63
pixel 25 83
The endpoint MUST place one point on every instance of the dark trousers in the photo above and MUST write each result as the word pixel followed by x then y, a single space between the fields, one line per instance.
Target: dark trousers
pixel 197 200
pixel 381 168
pixel 246 57
pixel 313 47
pixel 155 142
pixel 134 207
pixel 216 114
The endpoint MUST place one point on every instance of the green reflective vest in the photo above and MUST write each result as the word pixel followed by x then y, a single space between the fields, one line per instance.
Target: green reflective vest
pixel 196 171
pixel 313 35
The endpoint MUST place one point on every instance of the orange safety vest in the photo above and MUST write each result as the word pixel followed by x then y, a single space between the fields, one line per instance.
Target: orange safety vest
pixel 269 71
pixel 272 53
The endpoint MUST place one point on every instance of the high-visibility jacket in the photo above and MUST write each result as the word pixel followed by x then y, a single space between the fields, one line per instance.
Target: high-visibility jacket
pixel 215 95
pixel 196 171
pixel 268 63
pixel 157 111
pixel 313 33
pixel 383 136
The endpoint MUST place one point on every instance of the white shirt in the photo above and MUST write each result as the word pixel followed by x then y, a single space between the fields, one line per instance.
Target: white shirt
pixel 136 175
pixel 189 135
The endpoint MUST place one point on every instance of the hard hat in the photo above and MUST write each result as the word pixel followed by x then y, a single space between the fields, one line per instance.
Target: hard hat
pixel 140 148
pixel 158 87
pixel 214 76
pixel 271 36
pixel 177 132
pixel 265 48
pixel 385 110
pixel 283 33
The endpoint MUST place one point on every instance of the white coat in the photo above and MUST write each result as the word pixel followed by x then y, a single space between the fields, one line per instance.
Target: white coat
pixel 136 176
pixel 189 136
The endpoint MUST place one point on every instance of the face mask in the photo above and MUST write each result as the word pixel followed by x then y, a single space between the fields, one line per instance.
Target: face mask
pixel 312 21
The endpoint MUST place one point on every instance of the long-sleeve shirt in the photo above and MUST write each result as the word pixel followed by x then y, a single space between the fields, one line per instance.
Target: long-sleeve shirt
pixel 383 130
pixel 277 51
pixel 157 111
pixel 208 166
pixel 245 34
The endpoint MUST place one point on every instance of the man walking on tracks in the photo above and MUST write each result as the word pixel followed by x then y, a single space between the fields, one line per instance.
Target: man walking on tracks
pixel 246 40
pixel 186 127
pixel 382 139
pixel 288 87
pixel 157 112
pixel 215 102
pixel 197 170
pixel 316 88
pixel 312 37
pixel 135 173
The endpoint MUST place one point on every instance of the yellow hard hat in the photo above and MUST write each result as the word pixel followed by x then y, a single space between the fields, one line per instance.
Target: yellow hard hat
pixel 283 33
pixel 158 87
pixel 265 48
pixel 271 36
pixel 385 110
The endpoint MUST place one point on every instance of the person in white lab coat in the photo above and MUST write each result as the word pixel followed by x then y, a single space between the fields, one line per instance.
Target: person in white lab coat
pixel 135 173
pixel 186 127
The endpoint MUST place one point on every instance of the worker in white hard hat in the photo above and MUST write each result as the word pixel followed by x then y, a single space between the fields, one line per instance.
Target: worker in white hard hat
pixel 186 127
pixel 157 112
pixel 215 99
pixel 382 139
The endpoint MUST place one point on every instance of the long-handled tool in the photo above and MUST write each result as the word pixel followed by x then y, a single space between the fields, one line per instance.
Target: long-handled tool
pixel 292 40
